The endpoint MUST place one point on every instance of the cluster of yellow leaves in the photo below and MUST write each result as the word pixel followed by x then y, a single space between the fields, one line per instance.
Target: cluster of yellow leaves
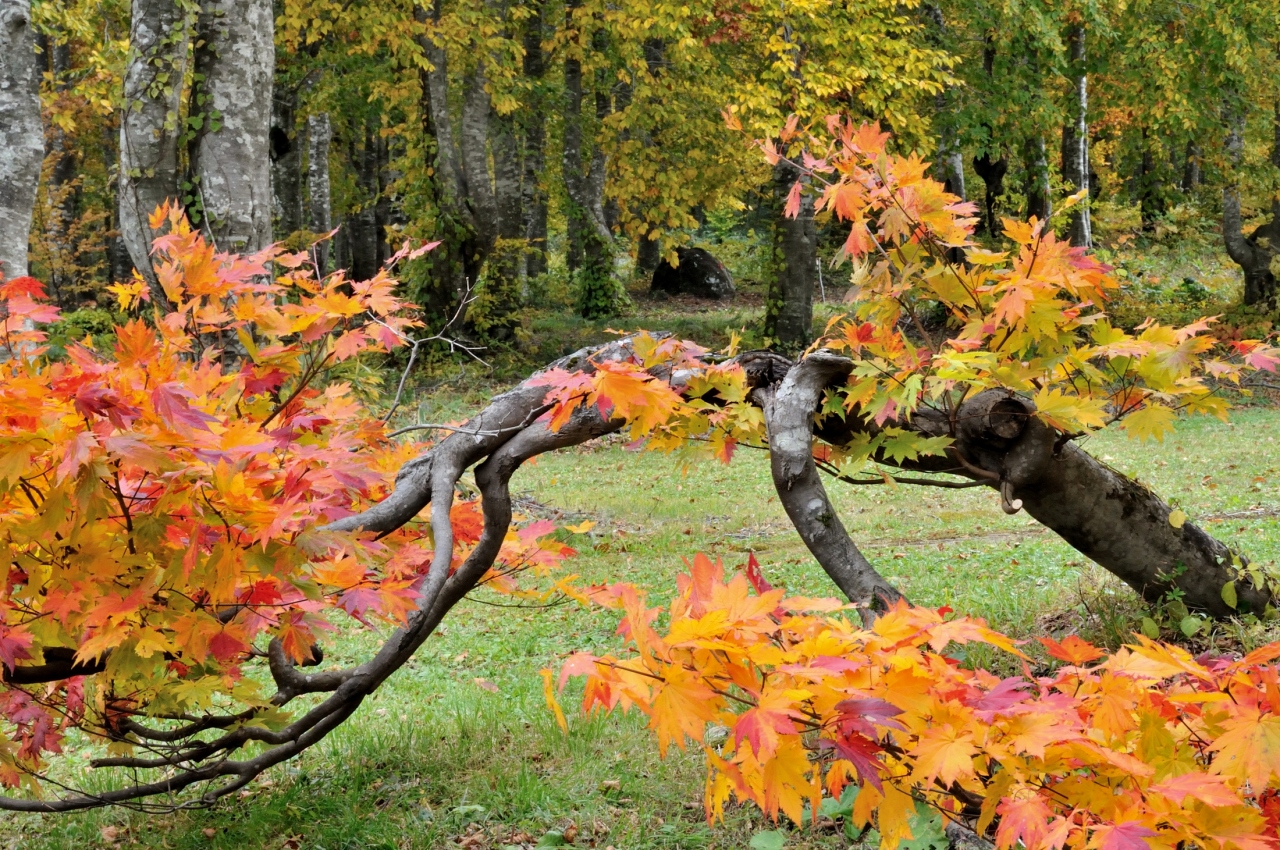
pixel 666 393
pixel 1029 319
pixel 161 503
pixel 1143 749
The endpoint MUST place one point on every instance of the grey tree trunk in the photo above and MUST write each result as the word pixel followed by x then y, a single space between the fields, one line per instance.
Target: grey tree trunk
pixel 1254 253
pixel 534 194
pixel 1075 138
pixel 1191 168
pixel 789 310
pixel 21 135
pixel 234 67
pixel 502 278
pixel 61 186
pixel 591 246
pixel 319 210
pixel 466 221
pixel 149 131
pixel 286 161
pixel 949 164
pixel 1036 161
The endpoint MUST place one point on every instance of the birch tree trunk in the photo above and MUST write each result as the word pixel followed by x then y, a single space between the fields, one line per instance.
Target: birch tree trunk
pixel 158 46
pixel 1075 138
pixel 320 216
pixel 234 67
pixel 21 135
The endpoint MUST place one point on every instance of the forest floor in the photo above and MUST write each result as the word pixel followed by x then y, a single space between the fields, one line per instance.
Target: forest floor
pixel 459 749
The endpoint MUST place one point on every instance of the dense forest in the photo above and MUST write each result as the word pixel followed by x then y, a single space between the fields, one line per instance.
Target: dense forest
pixel 541 142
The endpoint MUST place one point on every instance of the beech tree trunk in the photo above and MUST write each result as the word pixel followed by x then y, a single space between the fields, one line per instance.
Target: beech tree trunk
pixel 789 309
pixel 1075 138
pixel 1036 187
pixel 21 136
pixel 591 245
pixel 533 193
pixel 286 161
pixel 1191 167
pixel 461 180
pixel 60 191
pixel 231 97
pixel 149 131
pixel 319 210
pixel 948 166
pixel 1255 253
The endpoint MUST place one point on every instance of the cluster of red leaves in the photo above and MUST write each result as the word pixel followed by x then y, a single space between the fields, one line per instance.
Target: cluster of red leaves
pixel 1141 749
pixel 162 509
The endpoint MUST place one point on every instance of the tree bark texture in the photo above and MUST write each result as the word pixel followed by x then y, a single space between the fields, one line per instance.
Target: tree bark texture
pixel 319 205
pixel 1149 182
pixel 149 130
pixel 1075 138
pixel 1256 252
pixel 234 68
pixel 21 135
pixel 789 309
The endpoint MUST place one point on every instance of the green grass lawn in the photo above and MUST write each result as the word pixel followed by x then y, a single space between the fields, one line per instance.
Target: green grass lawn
pixel 438 759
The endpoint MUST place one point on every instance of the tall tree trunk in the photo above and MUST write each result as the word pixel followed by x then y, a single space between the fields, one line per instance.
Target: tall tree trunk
pixel 1191 167
pixel 534 200
pixel 1254 253
pixel 21 136
pixel 149 131
pixel 1036 162
pixel 362 227
pixel 286 161
pixel 60 189
pixel 1150 184
pixel 319 210
pixel 1075 138
pixel 948 166
pixel 461 185
pixel 789 310
pixel 590 242
pixel 234 67
pixel 502 278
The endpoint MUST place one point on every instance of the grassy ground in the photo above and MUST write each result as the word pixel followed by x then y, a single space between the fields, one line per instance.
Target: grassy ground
pixel 437 759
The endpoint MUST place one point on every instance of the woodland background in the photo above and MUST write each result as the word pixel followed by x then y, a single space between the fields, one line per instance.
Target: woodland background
pixel 559 151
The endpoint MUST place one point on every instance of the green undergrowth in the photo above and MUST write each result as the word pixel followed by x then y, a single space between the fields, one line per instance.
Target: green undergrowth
pixel 458 748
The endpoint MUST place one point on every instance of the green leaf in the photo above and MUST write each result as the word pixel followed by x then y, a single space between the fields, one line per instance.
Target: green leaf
pixel 552 839
pixel 768 840
pixel 1190 625
pixel 1150 629
pixel 1229 594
